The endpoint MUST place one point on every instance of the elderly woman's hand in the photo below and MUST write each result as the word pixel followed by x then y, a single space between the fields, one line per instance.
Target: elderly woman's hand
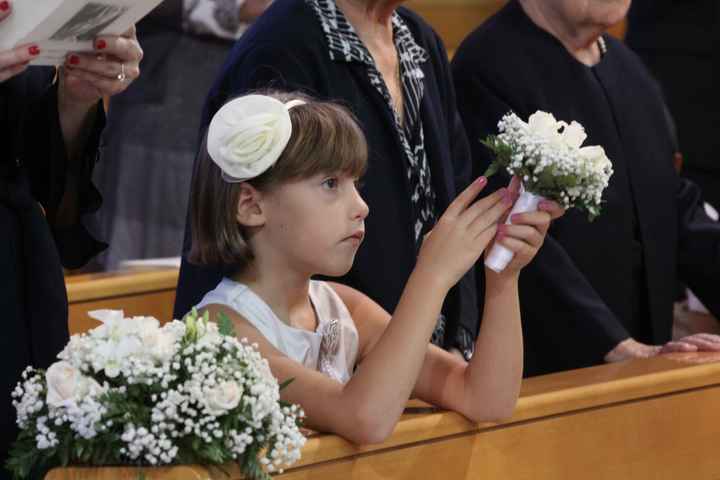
pixel 88 76
pixel 16 60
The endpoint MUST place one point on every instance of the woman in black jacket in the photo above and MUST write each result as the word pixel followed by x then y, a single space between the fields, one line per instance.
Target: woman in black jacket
pixel 600 291
pixel 51 122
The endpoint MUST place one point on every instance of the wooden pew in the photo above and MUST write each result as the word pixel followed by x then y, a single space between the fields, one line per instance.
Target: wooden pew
pixel 648 419
pixel 137 292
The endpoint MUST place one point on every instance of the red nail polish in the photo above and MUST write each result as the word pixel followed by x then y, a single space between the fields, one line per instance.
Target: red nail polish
pixel 34 50
pixel 101 44
pixel 4 6
pixel 74 60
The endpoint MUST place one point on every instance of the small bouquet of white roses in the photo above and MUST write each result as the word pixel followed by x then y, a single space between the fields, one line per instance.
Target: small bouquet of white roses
pixel 131 392
pixel 548 157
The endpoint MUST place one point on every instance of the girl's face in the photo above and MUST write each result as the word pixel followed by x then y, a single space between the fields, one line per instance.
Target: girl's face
pixel 317 223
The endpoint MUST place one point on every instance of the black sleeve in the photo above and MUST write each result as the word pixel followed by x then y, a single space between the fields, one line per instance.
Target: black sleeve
pixel 47 168
pixel 261 67
pixel 575 319
pixel 698 246
pixel 461 305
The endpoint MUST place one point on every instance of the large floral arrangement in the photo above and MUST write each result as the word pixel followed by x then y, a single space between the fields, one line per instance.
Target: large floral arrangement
pixel 131 392
pixel 548 157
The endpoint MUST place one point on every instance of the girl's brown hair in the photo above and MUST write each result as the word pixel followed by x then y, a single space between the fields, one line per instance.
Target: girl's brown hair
pixel 325 138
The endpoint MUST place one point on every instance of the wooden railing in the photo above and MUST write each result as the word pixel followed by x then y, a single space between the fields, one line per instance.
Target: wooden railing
pixel 655 419
pixel 148 292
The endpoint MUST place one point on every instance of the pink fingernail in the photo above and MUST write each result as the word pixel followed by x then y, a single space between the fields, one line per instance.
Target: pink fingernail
pixel 34 50
pixel 482 181
pixel 101 44
pixel 74 60
pixel 515 218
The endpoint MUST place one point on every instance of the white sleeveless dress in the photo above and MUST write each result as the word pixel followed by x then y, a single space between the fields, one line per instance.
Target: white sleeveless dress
pixel 332 349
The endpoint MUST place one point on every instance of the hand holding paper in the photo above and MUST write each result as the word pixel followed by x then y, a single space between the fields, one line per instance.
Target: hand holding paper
pixel 58 27
pixel 107 71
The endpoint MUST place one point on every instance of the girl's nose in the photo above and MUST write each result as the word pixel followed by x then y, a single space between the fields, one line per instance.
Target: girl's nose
pixel 361 209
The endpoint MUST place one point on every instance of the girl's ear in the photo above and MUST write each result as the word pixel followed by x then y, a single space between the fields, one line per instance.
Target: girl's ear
pixel 249 207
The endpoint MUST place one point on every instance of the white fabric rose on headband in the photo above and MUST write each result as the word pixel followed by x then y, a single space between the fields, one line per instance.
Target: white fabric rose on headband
pixel 248 134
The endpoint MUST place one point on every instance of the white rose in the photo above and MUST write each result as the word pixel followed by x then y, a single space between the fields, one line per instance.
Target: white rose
pixel 544 125
pixel 595 156
pixel 223 397
pixel 158 344
pixel 66 384
pixel 574 135
pixel 248 134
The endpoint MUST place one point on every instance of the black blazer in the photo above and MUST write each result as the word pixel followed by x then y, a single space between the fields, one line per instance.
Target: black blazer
pixel 593 284
pixel 286 49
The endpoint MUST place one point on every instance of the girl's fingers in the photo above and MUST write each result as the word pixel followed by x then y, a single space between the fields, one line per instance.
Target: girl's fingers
pixel 540 220
pixel 526 233
pixel 485 237
pixel 518 247
pixel 553 208
pixel 465 198
pixel 488 211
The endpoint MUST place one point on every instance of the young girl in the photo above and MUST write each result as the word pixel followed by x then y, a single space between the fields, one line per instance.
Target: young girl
pixel 275 197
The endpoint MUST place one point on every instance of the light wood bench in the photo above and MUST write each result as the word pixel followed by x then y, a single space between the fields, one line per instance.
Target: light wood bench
pixel 140 292
pixel 652 419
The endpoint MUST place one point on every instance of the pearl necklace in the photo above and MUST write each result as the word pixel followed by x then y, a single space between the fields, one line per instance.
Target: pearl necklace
pixel 603 45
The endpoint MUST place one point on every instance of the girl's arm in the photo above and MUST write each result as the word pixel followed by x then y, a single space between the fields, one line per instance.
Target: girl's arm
pixel 486 389
pixel 366 409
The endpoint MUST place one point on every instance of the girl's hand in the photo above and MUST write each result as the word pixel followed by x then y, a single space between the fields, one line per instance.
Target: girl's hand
pixel 526 234
pixel 462 234
pixel 89 76
pixel 15 61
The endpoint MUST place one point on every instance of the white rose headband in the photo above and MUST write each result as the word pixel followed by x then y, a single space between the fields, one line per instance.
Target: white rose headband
pixel 248 134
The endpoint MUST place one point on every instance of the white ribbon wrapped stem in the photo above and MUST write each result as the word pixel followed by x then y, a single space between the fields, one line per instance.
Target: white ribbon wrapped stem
pixel 499 256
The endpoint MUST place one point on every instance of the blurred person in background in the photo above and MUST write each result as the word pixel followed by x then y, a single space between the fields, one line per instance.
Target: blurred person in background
pixel 152 139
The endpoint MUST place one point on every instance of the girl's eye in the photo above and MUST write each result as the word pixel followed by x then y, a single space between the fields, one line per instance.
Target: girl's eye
pixel 331 183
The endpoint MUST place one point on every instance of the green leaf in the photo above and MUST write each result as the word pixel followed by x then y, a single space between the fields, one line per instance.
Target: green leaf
pixel 286 383
pixel 492 170
pixel 225 325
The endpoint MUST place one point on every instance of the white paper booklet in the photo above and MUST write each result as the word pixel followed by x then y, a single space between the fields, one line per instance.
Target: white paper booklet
pixel 62 26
